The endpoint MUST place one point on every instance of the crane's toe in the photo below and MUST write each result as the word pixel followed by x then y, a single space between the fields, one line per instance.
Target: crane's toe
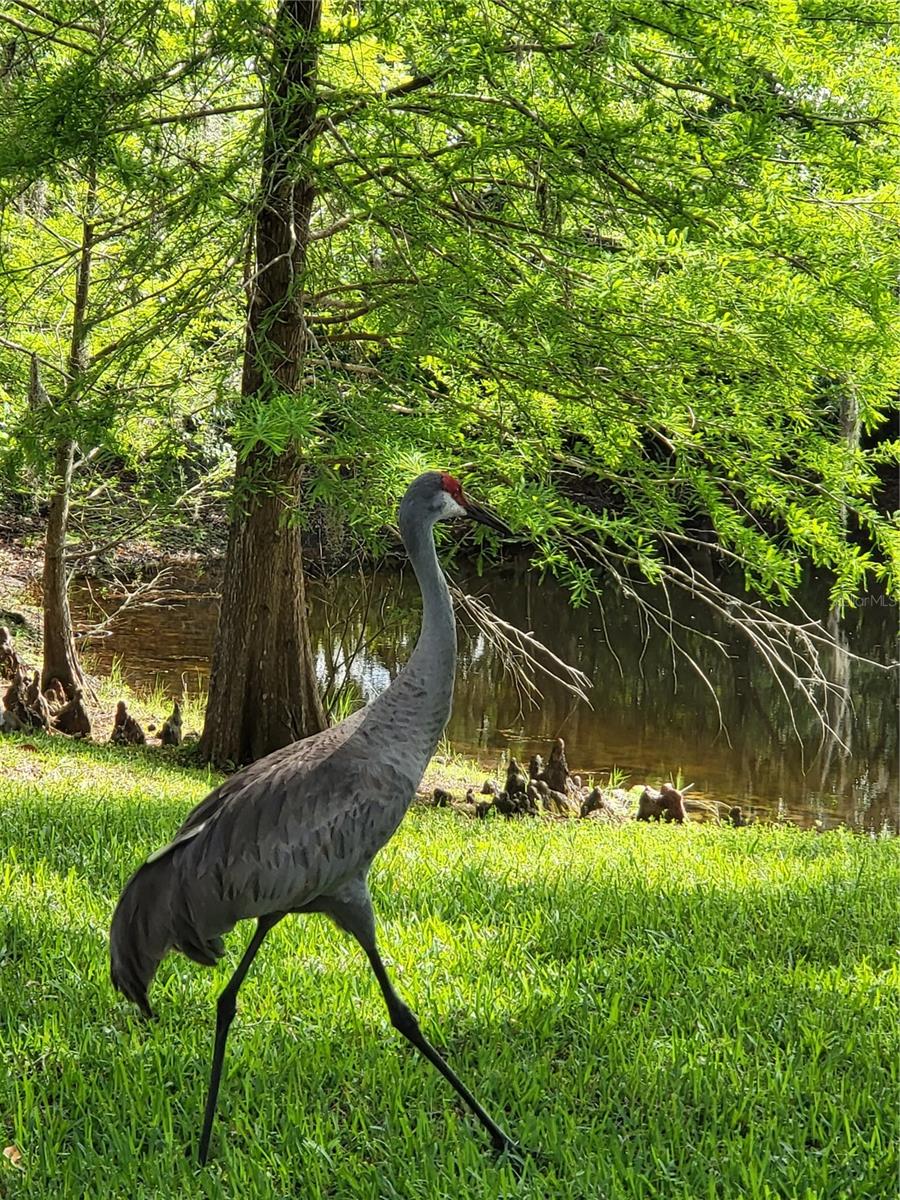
pixel 509 1152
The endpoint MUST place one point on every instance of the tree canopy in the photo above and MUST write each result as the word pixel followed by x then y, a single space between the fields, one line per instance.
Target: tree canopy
pixel 631 268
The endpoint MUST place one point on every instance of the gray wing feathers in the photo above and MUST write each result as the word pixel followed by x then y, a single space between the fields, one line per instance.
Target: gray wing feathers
pixel 277 844
pixel 291 828
pixel 150 919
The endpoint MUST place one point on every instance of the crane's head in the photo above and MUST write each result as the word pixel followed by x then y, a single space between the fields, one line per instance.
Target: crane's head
pixel 437 496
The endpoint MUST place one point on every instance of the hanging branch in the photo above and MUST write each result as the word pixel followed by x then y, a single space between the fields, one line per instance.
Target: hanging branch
pixel 135 597
pixel 520 653
pixel 792 650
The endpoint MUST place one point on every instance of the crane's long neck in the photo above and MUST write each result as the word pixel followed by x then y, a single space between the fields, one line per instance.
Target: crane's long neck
pixel 407 720
pixel 435 652
pixel 405 723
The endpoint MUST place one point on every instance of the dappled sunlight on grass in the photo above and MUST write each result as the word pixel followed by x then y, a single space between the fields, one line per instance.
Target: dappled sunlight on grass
pixel 659 1011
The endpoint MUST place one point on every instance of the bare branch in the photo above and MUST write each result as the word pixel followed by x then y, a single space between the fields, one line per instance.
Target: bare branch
pixel 791 649
pixel 521 654
pixel 134 597
pixel 8 345
pixel 334 364
pixel 85 554
pixel 199 114
pixel 85 459
pixel 383 338
pixel 672 86
pixel 40 33
pixel 351 312
pixel 319 235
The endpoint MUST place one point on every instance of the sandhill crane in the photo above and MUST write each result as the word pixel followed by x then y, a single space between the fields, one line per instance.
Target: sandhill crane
pixel 296 832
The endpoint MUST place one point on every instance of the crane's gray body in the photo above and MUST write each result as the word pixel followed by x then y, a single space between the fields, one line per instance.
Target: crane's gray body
pixel 297 831
pixel 302 825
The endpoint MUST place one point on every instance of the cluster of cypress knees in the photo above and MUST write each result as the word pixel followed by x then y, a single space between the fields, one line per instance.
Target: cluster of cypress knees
pixel 550 788
pixel 27 706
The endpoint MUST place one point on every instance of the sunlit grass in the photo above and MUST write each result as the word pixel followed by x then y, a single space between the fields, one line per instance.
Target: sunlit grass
pixel 695 1013
pixel 150 706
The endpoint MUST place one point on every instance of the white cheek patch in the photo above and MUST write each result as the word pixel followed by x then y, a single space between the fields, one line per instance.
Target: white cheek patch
pixel 449 507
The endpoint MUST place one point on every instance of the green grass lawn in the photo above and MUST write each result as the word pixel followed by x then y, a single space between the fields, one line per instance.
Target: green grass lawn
pixel 685 1013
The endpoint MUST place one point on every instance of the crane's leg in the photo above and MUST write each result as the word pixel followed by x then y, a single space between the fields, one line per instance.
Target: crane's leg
pixel 225 1010
pixel 353 912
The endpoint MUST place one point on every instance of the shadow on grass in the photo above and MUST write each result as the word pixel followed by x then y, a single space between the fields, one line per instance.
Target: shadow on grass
pixel 573 1074
pixel 177 761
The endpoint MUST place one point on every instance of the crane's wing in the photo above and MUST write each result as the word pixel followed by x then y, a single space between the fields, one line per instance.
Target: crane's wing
pixel 298 758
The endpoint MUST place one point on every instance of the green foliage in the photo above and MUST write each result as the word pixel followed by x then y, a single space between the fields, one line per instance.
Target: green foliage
pixel 277 424
pixel 649 1008
pixel 148 407
pixel 634 271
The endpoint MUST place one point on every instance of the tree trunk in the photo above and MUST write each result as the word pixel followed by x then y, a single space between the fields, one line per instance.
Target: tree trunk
pixel 263 692
pixel 60 659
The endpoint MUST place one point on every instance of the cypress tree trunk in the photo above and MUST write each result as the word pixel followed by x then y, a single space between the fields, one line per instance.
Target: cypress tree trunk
pixel 60 660
pixel 263 691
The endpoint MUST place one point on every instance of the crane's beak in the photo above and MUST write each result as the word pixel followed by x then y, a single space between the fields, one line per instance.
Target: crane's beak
pixel 477 512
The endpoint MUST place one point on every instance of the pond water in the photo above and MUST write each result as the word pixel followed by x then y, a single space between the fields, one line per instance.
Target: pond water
pixel 652 717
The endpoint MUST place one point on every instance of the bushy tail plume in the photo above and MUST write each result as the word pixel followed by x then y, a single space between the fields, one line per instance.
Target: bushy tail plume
pixel 139 938
pixel 151 919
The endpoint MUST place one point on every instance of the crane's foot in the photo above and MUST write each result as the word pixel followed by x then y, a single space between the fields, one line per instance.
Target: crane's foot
pixel 507 1151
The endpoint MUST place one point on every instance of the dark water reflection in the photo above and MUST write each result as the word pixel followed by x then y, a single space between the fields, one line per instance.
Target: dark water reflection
pixel 652 718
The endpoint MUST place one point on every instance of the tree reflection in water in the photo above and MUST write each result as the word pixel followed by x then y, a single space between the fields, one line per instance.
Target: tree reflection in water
pixel 652 717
